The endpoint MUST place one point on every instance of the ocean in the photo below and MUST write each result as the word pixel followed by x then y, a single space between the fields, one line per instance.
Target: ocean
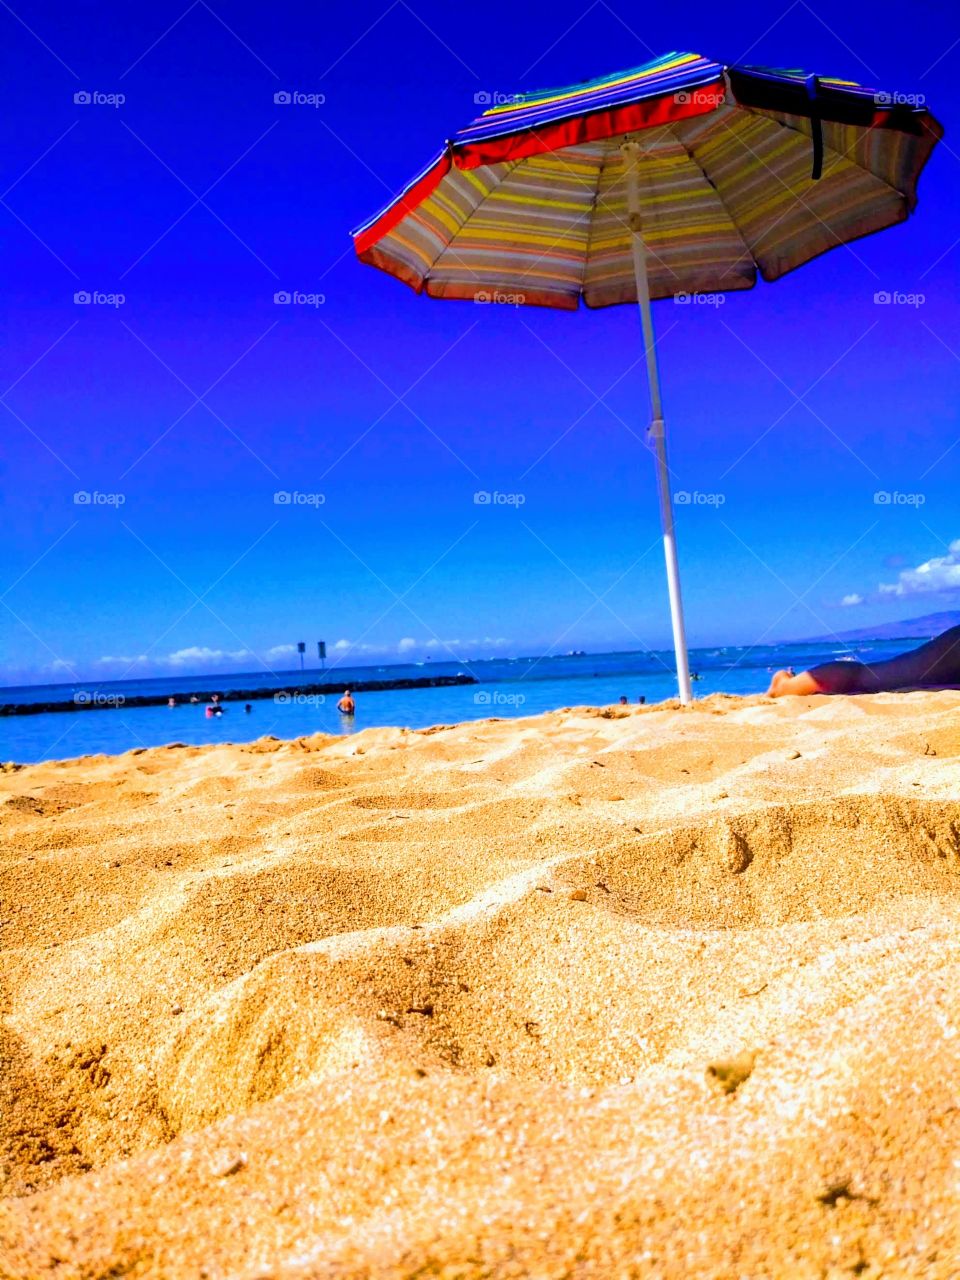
pixel 508 687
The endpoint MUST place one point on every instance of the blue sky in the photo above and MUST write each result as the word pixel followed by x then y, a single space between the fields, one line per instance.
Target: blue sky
pixel 196 399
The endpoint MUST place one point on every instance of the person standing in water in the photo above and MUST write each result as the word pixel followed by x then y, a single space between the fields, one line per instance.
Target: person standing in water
pixel 346 706
pixel 934 665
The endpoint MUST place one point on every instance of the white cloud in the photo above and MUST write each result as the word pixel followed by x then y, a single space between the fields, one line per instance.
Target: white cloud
pixel 192 656
pixel 281 650
pixel 201 654
pixel 193 653
pixel 934 576
pixel 406 644
pixel 852 598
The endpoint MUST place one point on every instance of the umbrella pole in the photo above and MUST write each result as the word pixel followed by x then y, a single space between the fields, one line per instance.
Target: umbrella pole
pixel 657 430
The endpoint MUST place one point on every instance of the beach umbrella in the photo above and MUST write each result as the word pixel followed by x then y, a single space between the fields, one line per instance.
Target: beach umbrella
pixel 680 178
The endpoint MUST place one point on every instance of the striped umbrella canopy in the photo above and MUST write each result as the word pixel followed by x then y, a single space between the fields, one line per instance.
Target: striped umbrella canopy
pixel 683 176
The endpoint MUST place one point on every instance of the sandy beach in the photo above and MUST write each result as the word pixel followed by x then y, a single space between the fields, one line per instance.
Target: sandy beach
pixel 628 992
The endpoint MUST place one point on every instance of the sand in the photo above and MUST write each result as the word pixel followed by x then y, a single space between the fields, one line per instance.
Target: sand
pixel 634 992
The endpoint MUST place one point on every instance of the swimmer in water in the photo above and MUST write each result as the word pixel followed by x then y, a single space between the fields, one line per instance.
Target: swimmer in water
pixel 346 706
pixel 934 665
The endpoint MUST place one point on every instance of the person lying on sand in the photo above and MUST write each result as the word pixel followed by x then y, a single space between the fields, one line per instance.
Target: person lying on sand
pixel 934 665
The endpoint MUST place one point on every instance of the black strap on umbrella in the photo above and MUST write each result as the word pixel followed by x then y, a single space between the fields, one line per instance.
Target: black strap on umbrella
pixel 816 127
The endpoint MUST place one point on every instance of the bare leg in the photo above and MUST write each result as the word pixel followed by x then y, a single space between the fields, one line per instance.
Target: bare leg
pixel 933 665
pixel 829 677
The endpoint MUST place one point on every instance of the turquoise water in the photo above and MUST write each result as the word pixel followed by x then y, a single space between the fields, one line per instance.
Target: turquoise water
pixel 507 687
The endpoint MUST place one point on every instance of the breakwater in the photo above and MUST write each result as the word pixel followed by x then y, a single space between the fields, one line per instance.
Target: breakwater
pixel 101 700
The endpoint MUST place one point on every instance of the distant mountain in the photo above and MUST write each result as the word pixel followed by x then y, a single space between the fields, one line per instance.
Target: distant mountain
pixel 931 624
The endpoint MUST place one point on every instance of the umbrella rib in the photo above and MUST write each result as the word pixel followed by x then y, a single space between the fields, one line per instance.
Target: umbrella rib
pixel 513 167
pixel 838 240
pixel 599 202
pixel 747 251
pixel 589 215
pixel 864 169
pixel 828 150
pixel 591 225
pixel 509 167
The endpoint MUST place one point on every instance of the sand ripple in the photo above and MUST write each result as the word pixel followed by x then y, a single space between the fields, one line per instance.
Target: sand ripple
pixel 642 993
